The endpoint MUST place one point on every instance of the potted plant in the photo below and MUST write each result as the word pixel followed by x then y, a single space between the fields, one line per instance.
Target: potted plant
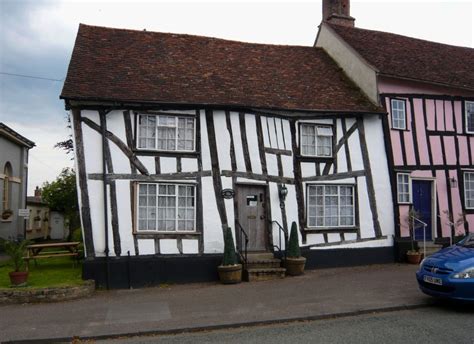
pixel 6 214
pixel 230 272
pixel 413 255
pixel 16 250
pixel 294 262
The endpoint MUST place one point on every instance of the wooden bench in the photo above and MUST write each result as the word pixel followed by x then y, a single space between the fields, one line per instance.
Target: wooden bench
pixel 56 249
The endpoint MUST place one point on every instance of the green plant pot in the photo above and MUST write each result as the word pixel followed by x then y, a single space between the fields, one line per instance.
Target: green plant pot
pixel 295 266
pixel 230 274
pixel 18 278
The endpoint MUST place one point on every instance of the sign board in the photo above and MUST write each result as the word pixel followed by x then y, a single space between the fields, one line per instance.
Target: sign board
pixel 228 193
pixel 24 213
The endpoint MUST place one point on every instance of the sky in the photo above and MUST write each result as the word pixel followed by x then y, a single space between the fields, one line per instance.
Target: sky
pixel 37 37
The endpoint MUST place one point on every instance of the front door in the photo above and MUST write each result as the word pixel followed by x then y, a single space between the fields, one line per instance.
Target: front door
pixel 252 215
pixel 422 203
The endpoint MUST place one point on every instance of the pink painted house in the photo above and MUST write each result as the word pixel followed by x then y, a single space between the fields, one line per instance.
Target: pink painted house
pixel 427 89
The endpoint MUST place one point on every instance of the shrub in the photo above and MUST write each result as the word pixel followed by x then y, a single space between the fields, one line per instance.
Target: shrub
pixel 293 244
pixel 230 257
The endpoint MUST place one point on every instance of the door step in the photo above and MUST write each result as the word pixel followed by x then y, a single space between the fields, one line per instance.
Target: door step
pixel 264 274
pixel 431 247
pixel 263 267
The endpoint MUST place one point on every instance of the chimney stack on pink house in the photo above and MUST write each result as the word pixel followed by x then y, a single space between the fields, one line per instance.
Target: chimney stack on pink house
pixel 338 12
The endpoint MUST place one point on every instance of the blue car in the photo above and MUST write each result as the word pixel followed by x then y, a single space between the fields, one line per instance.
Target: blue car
pixel 449 273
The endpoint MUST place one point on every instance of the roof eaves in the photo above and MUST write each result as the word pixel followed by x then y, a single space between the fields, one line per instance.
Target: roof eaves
pixel 12 134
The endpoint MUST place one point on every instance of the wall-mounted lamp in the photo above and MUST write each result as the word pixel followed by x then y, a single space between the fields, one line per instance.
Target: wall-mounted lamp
pixel 282 192
pixel 453 183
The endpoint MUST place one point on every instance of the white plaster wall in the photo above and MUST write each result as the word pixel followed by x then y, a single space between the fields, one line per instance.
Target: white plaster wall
pixel 266 141
pixel 213 237
pixel 93 115
pixel 365 214
pixel 252 140
pixel 125 216
pixel 272 164
pixel 292 208
pixel 287 134
pixel 287 164
pixel 341 155
pixel 229 203
pixel 272 132
pixel 314 239
pixel 148 162
pixel 223 140
pixel 205 153
pixel 189 165
pixel 363 244
pixel 169 246
pixel 146 246
pixel 275 212
pixel 168 165
pixel 334 237
pixel 96 203
pixel 353 64
pixel 355 152
pixel 308 169
pixel 239 152
pixel 380 173
pixel 92 149
pixel 190 246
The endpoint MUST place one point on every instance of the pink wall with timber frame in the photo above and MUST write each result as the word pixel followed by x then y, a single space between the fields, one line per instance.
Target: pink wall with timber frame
pixel 434 146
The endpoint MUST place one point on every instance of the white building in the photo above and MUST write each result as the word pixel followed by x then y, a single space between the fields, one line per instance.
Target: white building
pixel 192 134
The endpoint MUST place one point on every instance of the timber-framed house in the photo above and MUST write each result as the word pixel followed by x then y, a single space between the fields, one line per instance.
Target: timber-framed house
pixel 177 137
pixel 427 88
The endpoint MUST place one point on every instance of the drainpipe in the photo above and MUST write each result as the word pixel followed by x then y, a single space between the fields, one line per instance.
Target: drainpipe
pixel 106 213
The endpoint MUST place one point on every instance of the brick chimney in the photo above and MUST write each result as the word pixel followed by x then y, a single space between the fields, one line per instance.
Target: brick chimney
pixel 37 192
pixel 338 12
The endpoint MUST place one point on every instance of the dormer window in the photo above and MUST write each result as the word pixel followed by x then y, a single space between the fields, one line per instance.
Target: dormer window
pixel 398 114
pixel 316 140
pixel 469 117
pixel 166 133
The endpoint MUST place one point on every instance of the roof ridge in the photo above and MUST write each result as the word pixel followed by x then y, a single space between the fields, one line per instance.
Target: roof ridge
pixel 400 35
pixel 191 36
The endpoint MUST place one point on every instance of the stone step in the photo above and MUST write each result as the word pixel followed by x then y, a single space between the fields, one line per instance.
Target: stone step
pixel 263 263
pixel 254 275
pixel 260 256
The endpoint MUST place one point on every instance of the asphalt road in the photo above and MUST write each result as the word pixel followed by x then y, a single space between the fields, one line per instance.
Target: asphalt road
pixel 438 324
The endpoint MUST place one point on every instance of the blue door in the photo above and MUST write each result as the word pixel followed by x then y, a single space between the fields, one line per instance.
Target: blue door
pixel 421 190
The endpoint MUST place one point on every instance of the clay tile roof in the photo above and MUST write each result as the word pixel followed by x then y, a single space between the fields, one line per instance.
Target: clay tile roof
pixel 412 58
pixel 141 66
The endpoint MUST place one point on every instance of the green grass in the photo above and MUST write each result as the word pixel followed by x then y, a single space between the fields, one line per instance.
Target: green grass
pixel 49 272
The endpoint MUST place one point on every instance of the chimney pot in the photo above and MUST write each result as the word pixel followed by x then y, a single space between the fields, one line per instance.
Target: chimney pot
pixel 37 192
pixel 338 12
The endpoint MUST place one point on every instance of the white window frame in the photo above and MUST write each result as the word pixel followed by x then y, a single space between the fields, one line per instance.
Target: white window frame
pixel 410 200
pixel 471 179
pixel 354 199
pixel 466 115
pixel 177 118
pixel 316 127
pixel 171 232
pixel 398 110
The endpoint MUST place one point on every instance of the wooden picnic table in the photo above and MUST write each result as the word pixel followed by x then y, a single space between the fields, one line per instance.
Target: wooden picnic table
pixel 55 249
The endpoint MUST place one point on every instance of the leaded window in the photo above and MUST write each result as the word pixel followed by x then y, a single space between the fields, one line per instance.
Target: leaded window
pixel 330 206
pixel 166 133
pixel 469 189
pixel 398 114
pixel 166 207
pixel 403 188
pixel 316 140
pixel 470 117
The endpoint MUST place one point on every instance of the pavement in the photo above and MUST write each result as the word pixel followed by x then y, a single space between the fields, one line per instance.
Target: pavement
pixel 318 294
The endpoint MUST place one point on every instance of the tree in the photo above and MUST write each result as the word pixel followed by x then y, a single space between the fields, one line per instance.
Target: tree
pixel 66 145
pixel 61 195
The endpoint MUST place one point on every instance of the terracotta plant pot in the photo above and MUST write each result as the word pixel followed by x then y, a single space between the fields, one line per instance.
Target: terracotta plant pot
pixel 230 274
pixel 18 278
pixel 414 257
pixel 295 266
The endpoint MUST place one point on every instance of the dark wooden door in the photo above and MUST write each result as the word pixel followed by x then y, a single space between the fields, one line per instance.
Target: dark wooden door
pixel 422 203
pixel 251 210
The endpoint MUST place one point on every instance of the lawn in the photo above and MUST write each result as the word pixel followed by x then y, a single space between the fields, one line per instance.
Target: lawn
pixel 49 272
